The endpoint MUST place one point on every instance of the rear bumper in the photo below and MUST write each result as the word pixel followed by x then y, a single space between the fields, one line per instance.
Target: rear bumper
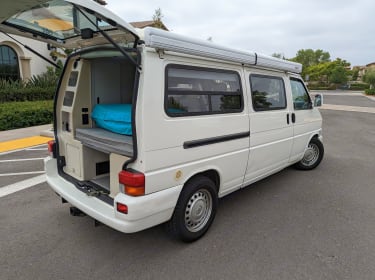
pixel 143 212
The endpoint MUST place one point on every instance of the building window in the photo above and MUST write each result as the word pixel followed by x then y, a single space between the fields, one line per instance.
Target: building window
pixel 201 91
pixel 268 92
pixel 9 68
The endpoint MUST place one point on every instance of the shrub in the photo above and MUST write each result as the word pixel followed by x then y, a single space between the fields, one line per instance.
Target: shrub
pixel 321 87
pixel 23 93
pixel 47 79
pixel 359 86
pixel 24 114
pixel 369 77
pixel 41 87
pixel 370 91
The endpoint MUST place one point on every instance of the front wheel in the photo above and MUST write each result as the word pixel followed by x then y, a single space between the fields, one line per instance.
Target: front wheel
pixel 313 155
pixel 195 210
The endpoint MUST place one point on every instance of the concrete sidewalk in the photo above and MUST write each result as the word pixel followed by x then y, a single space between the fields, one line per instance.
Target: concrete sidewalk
pixel 43 130
pixel 348 108
pixel 25 137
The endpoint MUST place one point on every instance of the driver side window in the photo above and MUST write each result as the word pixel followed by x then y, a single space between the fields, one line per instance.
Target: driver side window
pixel 301 98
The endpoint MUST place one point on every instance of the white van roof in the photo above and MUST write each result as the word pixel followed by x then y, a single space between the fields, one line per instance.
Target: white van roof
pixel 165 40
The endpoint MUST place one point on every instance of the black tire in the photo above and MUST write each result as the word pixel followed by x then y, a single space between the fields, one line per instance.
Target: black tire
pixel 195 210
pixel 313 155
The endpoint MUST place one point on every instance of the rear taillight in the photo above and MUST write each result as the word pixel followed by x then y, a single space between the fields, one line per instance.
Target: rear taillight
pixel 52 148
pixel 134 182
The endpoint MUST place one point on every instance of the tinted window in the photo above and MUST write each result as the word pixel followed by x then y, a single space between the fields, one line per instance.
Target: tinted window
pixel 301 99
pixel 199 91
pixel 268 92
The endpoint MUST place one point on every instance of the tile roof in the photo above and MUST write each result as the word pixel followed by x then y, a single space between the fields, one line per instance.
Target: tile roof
pixel 146 23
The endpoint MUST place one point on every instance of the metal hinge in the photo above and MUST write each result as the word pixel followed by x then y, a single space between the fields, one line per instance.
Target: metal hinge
pixel 161 53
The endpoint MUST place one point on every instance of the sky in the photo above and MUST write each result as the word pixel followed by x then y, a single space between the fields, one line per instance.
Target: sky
pixel 344 28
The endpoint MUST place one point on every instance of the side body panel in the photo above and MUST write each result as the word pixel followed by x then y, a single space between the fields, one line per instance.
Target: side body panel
pixel 162 155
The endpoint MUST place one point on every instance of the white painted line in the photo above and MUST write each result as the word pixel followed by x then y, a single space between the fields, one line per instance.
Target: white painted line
pixel 20 159
pixel 39 149
pixel 22 173
pixel 10 152
pixel 37 146
pixel 22 185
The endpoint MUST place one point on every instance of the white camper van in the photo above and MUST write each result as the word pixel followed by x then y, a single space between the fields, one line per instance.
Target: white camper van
pixel 152 127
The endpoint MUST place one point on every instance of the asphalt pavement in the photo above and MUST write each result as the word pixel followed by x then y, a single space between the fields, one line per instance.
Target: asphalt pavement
pixel 318 224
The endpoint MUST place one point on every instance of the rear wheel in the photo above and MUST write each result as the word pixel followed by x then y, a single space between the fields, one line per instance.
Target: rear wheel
pixel 313 155
pixel 195 210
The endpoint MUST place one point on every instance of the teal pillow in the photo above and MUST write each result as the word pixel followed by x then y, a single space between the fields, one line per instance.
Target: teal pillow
pixel 113 117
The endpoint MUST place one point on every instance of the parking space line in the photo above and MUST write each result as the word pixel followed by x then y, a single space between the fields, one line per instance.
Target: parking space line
pixel 20 159
pixel 22 185
pixel 22 173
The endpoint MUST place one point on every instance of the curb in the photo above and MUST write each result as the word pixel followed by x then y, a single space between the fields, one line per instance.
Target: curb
pixel 48 133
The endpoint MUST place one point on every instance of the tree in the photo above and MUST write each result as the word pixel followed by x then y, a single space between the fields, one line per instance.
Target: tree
pixel 329 72
pixel 369 78
pixel 278 55
pixel 355 74
pixel 157 18
pixel 309 57
pixel 338 75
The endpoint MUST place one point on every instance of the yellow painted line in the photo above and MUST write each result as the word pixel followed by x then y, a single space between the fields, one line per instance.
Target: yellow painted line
pixel 23 143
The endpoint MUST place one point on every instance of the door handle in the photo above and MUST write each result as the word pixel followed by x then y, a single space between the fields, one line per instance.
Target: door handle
pixel 293 118
pixel 287 118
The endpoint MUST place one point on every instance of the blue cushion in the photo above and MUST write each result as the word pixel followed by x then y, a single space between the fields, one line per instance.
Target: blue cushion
pixel 113 117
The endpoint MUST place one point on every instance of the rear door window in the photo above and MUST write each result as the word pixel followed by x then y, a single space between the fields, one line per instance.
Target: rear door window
pixel 267 92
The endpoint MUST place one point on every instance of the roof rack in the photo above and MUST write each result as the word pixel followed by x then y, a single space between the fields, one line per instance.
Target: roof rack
pixel 169 41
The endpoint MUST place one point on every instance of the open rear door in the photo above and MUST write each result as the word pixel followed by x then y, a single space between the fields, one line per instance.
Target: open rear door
pixel 70 24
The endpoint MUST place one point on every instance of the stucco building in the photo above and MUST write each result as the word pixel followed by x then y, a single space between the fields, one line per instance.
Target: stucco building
pixel 16 62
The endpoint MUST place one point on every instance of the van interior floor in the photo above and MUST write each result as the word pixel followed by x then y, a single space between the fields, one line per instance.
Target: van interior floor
pixel 102 181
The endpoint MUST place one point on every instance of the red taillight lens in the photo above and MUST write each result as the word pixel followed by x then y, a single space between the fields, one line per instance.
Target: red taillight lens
pixel 51 147
pixel 122 208
pixel 134 182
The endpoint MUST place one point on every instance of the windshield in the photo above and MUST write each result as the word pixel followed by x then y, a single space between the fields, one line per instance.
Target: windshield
pixel 59 20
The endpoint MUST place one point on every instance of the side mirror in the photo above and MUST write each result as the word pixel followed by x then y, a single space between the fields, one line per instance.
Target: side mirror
pixel 318 100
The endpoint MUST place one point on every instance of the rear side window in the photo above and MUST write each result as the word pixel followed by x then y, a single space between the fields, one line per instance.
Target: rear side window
pixel 268 92
pixel 201 91
pixel 301 99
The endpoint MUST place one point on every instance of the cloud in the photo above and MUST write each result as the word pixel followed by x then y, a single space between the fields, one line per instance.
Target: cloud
pixel 343 28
